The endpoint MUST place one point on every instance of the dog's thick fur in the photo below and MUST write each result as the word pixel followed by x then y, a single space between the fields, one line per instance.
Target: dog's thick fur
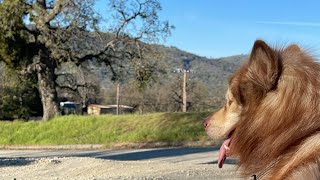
pixel 272 114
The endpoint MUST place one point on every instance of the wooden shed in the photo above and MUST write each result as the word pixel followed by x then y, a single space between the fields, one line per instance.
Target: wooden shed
pixel 96 109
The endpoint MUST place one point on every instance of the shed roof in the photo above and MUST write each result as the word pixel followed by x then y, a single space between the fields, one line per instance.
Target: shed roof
pixel 110 106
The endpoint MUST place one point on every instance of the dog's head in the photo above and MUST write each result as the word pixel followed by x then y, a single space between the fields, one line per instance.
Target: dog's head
pixel 247 88
pixel 272 104
pixel 221 124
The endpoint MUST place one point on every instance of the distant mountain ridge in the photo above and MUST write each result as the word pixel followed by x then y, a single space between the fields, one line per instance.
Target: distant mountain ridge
pixel 214 73
pixel 211 73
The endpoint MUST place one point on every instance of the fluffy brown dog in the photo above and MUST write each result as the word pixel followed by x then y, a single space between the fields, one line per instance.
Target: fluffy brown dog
pixel 271 120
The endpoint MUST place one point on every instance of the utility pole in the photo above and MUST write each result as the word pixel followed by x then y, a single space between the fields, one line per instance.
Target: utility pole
pixel 184 91
pixel 118 98
pixel 185 70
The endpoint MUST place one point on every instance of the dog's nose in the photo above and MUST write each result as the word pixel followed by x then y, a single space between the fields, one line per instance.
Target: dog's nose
pixel 206 123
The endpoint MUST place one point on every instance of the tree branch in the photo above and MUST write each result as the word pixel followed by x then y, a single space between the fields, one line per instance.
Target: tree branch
pixel 126 20
pixel 42 4
pixel 55 11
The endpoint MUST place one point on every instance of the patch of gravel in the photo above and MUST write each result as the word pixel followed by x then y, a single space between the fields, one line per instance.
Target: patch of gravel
pixel 85 168
pixel 197 163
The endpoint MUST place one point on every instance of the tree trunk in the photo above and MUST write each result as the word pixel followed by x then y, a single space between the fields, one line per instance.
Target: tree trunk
pixel 47 87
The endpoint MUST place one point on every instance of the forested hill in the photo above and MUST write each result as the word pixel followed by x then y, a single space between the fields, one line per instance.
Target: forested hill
pixel 91 83
pixel 213 73
pixel 204 69
pixel 207 81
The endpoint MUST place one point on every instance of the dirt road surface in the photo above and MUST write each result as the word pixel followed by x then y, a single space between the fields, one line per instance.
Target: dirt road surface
pixel 144 164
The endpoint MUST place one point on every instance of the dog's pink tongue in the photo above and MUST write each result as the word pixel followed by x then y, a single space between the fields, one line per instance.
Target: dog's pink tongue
pixel 222 153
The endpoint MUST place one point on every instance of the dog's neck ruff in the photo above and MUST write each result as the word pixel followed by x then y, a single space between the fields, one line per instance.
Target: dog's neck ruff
pixel 265 171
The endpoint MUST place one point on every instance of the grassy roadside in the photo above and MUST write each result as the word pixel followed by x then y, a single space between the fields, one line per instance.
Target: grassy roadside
pixel 105 129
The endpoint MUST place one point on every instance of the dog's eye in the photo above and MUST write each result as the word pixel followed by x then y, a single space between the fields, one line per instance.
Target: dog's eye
pixel 230 102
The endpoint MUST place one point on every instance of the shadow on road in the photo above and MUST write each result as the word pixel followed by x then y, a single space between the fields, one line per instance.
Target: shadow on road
pixel 19 158
pixel 5 162
pixel 150 154
pixel 227 161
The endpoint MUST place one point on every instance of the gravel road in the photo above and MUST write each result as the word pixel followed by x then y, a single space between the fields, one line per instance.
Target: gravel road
pixel 144 164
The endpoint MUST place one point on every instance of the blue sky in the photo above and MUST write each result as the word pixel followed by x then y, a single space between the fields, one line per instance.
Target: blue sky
pixel 218 28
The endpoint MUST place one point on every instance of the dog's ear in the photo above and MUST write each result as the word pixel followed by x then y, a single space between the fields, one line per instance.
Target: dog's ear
pixel 264 66
pixel 293 48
